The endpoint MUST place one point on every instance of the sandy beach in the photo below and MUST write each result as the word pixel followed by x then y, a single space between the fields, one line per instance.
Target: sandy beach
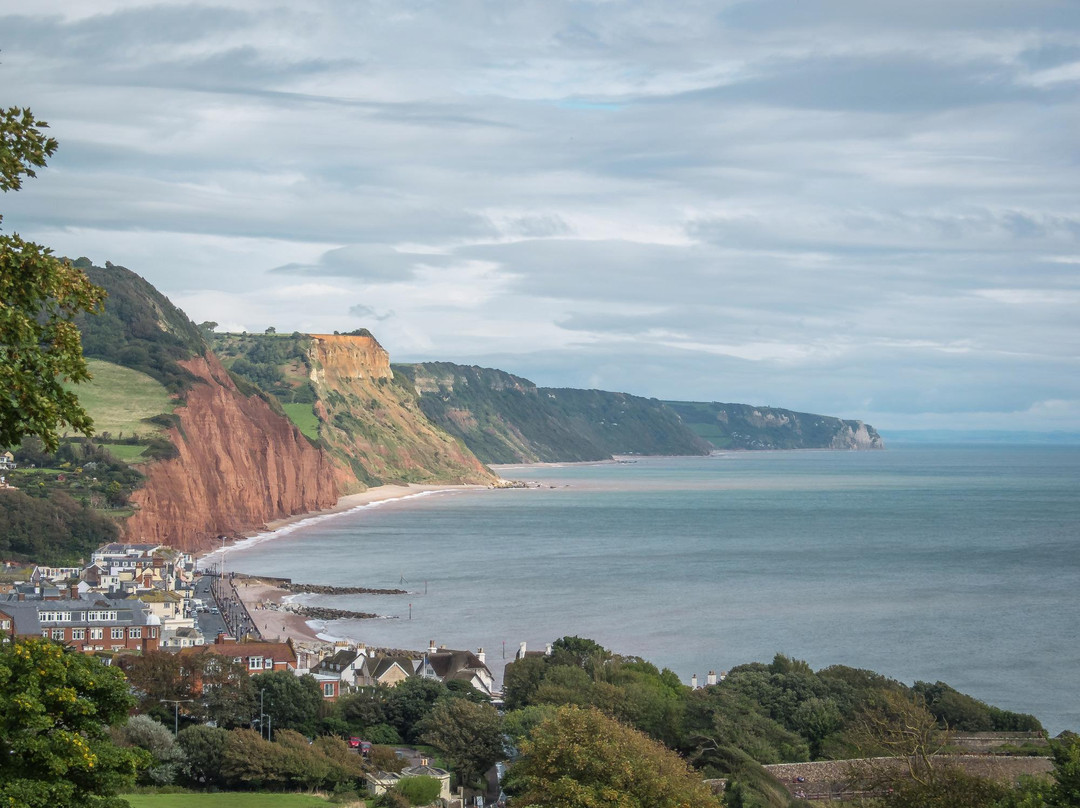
pixel 263 601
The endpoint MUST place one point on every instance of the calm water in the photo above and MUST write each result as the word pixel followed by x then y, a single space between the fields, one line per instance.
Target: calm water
pixel 942 563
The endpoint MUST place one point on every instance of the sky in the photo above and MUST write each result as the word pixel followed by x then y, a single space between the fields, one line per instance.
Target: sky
pixel 862 209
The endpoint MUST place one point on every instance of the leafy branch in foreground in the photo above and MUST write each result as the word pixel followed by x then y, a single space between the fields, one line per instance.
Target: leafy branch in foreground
pixel 40 346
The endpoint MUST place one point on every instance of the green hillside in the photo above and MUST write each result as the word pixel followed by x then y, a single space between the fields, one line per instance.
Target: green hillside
pixel 743 426
pixel 121 401
pixel 504 418
pixel 139 328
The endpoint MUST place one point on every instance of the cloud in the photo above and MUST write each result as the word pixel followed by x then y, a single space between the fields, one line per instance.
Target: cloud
pixel 857 208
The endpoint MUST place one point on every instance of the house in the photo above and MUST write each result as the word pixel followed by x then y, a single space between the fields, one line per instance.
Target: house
pixel 87 624
pixel 7 462
pixel 54 574
pixel 381 782
pixel 256 657
pixel 330 686
pixel 345 665
pixel 463 666
pixel 384 670
pixel 182 637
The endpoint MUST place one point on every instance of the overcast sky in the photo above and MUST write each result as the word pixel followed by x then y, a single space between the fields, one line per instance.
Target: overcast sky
pixel 864 209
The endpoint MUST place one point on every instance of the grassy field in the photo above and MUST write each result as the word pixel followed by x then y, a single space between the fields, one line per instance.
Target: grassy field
pixel 118 398
pixel 304 417
pixel 126 452
pixel 225 800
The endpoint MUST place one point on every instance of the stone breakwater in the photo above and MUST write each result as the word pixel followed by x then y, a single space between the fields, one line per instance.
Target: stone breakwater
pixel 323 613
pixel 320 589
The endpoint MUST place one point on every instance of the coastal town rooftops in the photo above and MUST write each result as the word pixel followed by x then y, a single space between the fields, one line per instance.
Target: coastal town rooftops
pixel 34 616
pixel 270 655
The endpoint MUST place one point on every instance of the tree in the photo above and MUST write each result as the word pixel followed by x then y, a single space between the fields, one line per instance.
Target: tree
pixel 1066 753
pixel 470 734
pixel 204 747
pixel 144 732
pixel 56 706
pixel 419 790
pixel 583 759
pixel 410 702
pixel 40 346
pixel 899 725
pixel 293 702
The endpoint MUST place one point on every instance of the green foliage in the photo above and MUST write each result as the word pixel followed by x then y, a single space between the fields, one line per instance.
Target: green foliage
pixel 57 530
pixel 409 703
pixel 419 790
pixel 469 734
pixel 249 761
pixel 293 702
pixel 203 747
pixel 967 714
pixel 55 709
pixel 140 329
pixel 951 788
pixel 581 758
pixel 167 757
pixel 1066 753
pixel 40 296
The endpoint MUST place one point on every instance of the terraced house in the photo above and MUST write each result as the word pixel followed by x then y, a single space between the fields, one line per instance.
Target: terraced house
pixel 87 624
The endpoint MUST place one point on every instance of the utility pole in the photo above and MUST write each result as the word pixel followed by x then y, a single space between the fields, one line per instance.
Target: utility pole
pixel 176 711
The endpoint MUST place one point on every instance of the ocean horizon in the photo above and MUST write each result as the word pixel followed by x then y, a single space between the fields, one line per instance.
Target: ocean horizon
pixel 950 563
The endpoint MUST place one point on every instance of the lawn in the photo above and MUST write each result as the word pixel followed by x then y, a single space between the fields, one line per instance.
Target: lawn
pixel 118 398
pixel 243 799
pixel 304 417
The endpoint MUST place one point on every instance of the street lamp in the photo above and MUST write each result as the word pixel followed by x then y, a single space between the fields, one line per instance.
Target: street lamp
pixel 176 711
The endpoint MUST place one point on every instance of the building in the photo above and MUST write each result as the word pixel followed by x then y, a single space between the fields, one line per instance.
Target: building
pixel 7 462
pixel 87 624
pixel 461 666
pixel 256 657
pixel 381 782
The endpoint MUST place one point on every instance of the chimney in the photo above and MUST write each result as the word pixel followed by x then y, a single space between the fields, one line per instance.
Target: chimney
pixel 711 680
pixel 431 647
pixel 73 592
pixel 481 656
pixel 693 681
pixel 22 596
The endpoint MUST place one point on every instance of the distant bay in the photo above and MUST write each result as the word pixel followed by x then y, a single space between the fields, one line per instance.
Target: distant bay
pixel 952 563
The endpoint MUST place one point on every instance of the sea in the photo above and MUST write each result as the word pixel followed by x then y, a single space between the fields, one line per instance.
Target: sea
pixel 936 563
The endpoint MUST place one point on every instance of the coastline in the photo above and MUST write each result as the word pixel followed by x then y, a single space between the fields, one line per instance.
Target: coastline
pixel 265 602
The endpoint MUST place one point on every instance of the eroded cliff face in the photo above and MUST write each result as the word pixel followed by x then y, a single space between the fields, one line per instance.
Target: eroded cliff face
pixel 240 465
pixel 372 423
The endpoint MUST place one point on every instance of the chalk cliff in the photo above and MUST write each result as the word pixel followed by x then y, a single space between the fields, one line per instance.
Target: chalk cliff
pixel 239 465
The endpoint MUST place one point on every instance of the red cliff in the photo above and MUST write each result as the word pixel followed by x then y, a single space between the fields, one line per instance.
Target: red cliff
pixel 239 465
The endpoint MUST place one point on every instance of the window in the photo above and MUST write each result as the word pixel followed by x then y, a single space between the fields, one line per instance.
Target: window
pixel 328 689
pixel 117 633
pixel 255 663
pixel 269 663
pixel 135 633
pixel 78 634
pixel 58 634
pixel 5 625
pixel 95 634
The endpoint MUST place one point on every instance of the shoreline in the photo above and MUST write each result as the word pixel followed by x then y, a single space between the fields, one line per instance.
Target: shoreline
pixel 265 602
pixel 350 502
